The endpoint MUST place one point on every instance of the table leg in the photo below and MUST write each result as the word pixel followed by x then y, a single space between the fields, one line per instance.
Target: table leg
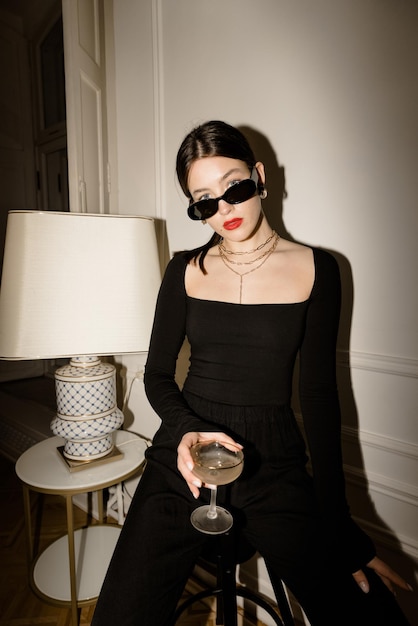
pixel 100 505
pixel 71 555
pixel 28 525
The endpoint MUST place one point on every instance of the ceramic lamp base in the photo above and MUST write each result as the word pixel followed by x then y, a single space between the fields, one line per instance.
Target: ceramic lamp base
pixel 87 413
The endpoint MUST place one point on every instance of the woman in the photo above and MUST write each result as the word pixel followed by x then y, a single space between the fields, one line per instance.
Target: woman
pixel 249 302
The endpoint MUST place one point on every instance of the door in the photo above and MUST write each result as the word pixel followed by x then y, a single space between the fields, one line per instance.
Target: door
pixel 85 83
pixel 50 108
pixel 17 164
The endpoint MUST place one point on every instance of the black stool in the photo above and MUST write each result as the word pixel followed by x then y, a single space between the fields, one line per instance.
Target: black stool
pixel 226 557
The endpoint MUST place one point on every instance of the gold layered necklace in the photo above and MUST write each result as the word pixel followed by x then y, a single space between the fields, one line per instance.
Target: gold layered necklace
pixel 240 252
pixel 223 253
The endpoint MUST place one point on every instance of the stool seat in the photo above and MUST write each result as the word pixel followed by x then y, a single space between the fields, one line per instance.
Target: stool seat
pixel 226 553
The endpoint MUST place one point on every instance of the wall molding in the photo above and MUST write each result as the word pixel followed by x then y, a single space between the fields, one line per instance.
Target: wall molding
pixel 385 444
pixel 405 493
pixel 384 537
pixel 381 363
pixel 394 489
pixel 158 96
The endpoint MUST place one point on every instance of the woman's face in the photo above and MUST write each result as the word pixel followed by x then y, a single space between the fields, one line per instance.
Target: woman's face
pixel 210 177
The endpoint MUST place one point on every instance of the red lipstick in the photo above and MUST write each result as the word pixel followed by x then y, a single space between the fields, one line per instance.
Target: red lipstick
pixel 232 224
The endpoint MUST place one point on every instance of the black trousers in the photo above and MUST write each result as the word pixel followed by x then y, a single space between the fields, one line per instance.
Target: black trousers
pixel 274 510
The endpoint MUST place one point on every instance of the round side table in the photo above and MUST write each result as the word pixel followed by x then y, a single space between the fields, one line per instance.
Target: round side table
pixel 70 571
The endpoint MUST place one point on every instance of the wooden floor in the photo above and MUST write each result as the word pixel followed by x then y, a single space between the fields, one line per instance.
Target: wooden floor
pixel 19 606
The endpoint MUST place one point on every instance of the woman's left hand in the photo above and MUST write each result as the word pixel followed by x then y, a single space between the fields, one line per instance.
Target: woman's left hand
pixel 184 458
pixel 386 573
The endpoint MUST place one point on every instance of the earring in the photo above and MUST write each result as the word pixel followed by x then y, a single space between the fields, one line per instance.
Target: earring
pixel 203 222
pixel 263 192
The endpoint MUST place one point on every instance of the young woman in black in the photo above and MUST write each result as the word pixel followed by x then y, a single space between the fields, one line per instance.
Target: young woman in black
pixel 249 302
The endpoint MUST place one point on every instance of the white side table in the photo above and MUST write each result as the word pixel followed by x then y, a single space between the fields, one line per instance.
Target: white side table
pixel 70 571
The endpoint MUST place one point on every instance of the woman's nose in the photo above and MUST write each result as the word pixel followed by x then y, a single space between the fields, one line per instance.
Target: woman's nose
pixel 224 207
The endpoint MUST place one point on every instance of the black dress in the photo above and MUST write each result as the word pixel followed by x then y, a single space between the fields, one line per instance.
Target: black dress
pixel 240 382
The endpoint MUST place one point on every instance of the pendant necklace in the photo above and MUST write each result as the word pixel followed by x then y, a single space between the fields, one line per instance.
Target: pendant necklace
pixel 263 258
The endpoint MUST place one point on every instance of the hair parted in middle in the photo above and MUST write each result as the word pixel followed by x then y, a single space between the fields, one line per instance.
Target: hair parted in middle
pixel 210 139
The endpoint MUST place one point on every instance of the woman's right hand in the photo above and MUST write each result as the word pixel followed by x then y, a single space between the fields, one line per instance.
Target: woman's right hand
pixel 185 461
pixel 390 578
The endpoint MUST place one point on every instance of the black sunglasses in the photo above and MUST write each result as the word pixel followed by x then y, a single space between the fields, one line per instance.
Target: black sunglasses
pixel 240 192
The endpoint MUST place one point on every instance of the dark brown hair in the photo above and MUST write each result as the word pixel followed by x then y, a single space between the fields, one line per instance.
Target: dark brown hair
pixel 214 138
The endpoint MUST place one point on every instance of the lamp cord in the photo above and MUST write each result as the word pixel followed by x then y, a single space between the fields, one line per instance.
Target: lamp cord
pixel 118 493
pixel 138 376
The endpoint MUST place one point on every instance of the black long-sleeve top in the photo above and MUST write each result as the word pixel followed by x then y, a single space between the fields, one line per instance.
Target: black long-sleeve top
pixel 244 354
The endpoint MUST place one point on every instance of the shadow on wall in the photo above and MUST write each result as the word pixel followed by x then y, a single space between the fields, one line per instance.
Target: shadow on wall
pixel 276 183
pixel 361 503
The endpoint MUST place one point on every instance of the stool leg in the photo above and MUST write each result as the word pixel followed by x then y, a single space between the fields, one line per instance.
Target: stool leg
pixel 207 593
pixel 226 592
pixel 257 600
pixel 284 608
pixel 220 604
pixel 227 599
pixel 227 581
pixel 282 602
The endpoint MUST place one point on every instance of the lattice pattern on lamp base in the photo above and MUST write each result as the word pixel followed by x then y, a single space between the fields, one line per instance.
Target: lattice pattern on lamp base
pixel 87 411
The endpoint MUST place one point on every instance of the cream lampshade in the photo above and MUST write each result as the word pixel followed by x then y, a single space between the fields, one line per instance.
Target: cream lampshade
pixel 79 285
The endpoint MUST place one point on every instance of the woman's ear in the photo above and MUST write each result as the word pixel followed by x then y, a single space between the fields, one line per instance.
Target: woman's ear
pixel 261 173
pixel 262 191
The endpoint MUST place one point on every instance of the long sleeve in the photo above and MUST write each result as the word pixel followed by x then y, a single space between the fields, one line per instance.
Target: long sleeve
pixel 167 338
pixel 321 412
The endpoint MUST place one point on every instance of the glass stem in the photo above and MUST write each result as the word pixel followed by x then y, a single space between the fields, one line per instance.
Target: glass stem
pixel 212 514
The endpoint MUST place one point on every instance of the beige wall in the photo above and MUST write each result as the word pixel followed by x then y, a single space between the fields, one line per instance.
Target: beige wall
pixel 327 91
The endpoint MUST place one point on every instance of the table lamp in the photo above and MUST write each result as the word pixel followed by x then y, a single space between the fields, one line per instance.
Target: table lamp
pixel 79 285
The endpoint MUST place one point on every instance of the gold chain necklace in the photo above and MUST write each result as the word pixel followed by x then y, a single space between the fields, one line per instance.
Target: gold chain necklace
pixel 253 269
pixel 260 247
pixel 258 258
